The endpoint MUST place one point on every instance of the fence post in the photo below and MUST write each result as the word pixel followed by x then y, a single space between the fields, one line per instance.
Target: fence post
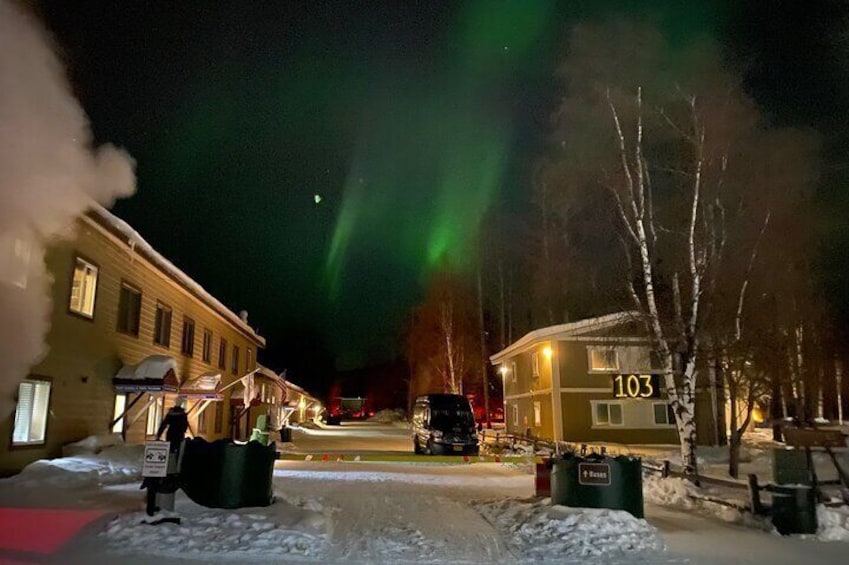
pixel 755 495
pixel 664 471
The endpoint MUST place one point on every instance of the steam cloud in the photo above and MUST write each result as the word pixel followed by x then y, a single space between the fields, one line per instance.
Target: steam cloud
pixel 50 173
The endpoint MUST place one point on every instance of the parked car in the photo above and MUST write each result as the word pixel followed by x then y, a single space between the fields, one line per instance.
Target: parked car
pixel 333 420
pixel 444 424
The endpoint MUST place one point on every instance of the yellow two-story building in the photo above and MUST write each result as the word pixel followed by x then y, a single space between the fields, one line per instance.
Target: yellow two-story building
pixel 129 332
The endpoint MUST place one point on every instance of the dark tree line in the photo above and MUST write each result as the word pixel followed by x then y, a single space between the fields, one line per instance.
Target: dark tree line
pixel 663 191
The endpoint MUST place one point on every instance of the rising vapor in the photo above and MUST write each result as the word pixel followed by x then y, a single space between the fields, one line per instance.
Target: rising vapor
pixel 50 172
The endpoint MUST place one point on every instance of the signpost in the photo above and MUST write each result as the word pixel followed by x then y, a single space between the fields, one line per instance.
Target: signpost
pixel 155 459
pixel 597 474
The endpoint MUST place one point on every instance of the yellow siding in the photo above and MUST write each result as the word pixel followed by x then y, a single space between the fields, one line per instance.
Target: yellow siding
pixel 85 354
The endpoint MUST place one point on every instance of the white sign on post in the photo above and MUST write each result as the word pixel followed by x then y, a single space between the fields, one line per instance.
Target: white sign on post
pixel 155 459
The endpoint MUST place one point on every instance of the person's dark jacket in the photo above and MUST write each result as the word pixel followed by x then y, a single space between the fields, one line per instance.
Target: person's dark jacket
pixel 177 422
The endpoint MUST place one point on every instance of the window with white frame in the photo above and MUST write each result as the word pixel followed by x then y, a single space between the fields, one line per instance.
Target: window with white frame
pixel 515 409
pixel 83 288
pixel 663 415
pixel 603 359
pixel 31 412
pixel 154 416
pixel 607 414
pixel 513 374
pixel 535 364
pixel 120 406
pixel 537 413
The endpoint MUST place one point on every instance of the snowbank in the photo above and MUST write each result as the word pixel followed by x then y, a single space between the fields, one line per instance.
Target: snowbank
pixel 388 416
pixel 223 535
pixel 667 492
pixel 112 465
pixel 91 445
pixel 833 523
pixel 539 531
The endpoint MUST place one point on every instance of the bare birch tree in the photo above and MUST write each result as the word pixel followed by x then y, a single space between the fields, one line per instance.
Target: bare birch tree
pixel 667 135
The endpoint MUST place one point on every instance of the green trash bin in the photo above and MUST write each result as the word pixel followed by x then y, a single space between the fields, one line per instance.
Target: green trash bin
pixel 794 509
pixel 223 474
pixel 790 467
pixel 598 482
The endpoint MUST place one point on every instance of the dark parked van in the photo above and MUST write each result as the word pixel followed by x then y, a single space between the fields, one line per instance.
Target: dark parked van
pixel 444 424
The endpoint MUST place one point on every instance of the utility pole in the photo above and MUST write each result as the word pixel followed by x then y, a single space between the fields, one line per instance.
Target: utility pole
pixel 484 372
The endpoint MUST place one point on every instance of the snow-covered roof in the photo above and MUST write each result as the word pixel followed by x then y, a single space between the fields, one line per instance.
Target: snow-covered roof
pixel 206 382
pixel 151 367
pixel 563 331
pixel 137 243
pixel 153 373
pixel 286 383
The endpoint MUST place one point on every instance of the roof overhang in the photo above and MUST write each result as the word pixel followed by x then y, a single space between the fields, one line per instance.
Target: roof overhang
pixel 156 373
pixel 205 386
pixel 563 332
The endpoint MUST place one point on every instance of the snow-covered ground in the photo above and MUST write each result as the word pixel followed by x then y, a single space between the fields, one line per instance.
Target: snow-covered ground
pixel 419 512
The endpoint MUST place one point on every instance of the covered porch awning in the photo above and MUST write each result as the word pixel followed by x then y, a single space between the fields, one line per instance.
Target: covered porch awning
pixel 203 387
pixel 156 373
pixel 238 397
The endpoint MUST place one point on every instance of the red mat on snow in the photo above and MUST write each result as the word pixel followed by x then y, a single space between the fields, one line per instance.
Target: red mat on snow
pixel 41 530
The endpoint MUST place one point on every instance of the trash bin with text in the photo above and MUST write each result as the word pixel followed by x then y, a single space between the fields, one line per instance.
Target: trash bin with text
pixel 598 482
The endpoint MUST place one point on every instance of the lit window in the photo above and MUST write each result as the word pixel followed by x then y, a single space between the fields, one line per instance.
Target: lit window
pixel 188 344
pixel 162 325
pixel 120 406
pixel 607 414
pixel 31 412
pixel 515 409
pixel 202 422
pixel 154 416
pixel 603 359
pixel 129 309
pixel 83 288
pixel 535 363
pixel 537 413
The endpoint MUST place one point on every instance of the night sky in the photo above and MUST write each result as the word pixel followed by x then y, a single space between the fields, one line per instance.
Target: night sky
pixel 411 120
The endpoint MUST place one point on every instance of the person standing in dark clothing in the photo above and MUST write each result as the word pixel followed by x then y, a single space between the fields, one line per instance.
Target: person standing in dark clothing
pixel 177 422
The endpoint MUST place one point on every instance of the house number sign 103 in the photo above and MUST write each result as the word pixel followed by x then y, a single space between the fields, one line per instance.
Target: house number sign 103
pixel 636 386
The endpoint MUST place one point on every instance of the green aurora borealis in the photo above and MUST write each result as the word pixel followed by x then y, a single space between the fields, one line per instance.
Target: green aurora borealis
pixel 431 160
pixel 413 121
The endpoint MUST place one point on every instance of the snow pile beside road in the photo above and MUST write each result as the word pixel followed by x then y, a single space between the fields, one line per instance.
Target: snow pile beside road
pixel 833 523
pixel 388 416
pixel 223 535
pixel 539 531
pixel 667 492
pixel 113 465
